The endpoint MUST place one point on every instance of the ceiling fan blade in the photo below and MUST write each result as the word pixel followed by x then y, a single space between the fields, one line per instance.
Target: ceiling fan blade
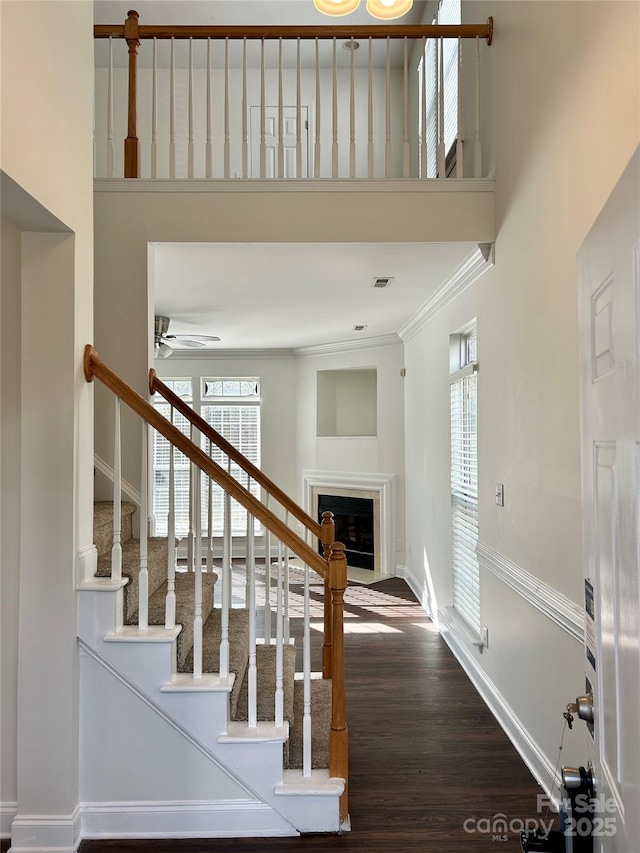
pixel 184 338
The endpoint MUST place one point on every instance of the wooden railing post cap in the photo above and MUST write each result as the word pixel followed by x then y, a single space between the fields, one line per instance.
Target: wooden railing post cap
pixel 337 567
pixel 89 352
pixel 327 517
pixel 131 26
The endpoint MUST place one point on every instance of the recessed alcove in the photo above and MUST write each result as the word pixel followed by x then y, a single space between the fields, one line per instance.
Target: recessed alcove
pixel 347 403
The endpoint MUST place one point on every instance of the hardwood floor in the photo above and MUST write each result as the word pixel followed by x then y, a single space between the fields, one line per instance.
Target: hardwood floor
pixel 425 753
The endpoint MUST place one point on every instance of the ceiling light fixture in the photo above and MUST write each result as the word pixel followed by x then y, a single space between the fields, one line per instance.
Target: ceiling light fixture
pixel 384 10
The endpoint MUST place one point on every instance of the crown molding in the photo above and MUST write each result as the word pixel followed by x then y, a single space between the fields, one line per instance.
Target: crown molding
pixel 294 185
pixel 466 274
pixel 226 354
pixel 348 346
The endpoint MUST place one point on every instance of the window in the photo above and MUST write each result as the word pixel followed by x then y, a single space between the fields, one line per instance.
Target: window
pixel 232 407
pixel 464 477
pixel 432 122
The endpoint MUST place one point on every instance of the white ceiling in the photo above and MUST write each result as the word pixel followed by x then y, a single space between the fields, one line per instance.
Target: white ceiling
pixel 294 295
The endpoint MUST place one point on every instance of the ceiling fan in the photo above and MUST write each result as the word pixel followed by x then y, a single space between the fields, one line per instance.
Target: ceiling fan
pixel 164 341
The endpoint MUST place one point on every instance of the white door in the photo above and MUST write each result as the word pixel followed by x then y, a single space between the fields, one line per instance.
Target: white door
pixel 287 165
pixel 609 298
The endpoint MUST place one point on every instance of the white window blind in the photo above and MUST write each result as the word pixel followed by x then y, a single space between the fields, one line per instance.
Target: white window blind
pixel 161 458
pixel 464 492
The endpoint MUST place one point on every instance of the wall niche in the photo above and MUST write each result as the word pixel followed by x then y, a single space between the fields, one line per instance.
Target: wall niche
pixel 347 403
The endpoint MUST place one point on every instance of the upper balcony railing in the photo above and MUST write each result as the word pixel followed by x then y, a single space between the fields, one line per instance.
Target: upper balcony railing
pixel 332 102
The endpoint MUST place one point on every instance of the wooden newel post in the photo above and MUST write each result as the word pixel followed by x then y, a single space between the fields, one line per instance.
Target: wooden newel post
pixel 327 538
pixel 338 736
pixel 132 143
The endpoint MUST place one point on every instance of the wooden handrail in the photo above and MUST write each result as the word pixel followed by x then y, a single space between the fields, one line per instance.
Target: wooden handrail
pixel 94 367
pixel 248 467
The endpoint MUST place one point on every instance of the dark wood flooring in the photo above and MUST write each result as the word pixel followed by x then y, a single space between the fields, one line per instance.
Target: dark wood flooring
pixel 425 753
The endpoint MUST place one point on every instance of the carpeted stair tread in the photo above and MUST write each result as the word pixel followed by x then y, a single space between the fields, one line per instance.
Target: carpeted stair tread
pixel 238 648
pixel 103 524
pixel 157 548
pixel 185 608
pixel 320 724
pixel 266 683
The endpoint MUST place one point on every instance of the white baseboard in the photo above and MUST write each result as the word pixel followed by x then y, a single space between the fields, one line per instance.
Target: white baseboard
pixel 45 833
pixel 189 819
pixel 7 813
pixel 530 752
pixel 418 589
pixel 130 492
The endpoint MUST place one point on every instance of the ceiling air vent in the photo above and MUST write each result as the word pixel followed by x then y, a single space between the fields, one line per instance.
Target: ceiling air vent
pixel 382 282
pixel 359 328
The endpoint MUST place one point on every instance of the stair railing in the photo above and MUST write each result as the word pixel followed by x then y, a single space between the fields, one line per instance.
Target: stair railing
pixel 331 566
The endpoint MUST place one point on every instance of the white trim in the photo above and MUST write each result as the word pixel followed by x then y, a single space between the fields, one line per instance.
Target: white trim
pixel 86 564
pixel 553 604
pixel 50 833
pixel 8 811
pixel 294 185
pixel 542 769
pixel 390 340
pixel 183 819
pixel 421 594
pixel 106 470
pixel 229 354
pixel 466 274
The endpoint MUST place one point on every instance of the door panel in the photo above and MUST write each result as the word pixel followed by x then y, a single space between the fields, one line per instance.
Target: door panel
pixel 271 139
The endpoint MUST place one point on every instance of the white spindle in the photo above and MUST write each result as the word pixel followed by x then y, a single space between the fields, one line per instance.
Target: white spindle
pixel 405 112
pixel 154 111
pixel 197 619
pixel 263 146
pixel 298 116
pixel 280 115
pixel 279 698
pixel 423 129
pixel 170 604
pixel 334 146
pixel 143 577
pixel 210 518
pixel 191 535
pixel 477 151
pixel 190 113
pixel 387 112
pixel 459 145
pixel 247 580
pixel 227 145
pixel 110 112
pixel 285 588
pixel 316 149
pixel 370 149
pixel 306 672
pixel 245 108
pixel 252 677
pixel 442 154
pixel 208 151
pixel 116 550
pixel 172 111
pixel 226 589
pixel 267 578
pixel 352 114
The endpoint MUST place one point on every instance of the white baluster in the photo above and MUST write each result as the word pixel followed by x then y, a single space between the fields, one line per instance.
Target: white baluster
pixel 477 151
pixel 370 149
pixel 170 604
pixel 316 148
pixel 208 150
pixel 247 583
pixel 352 115
pixel 191 535
pixel 143 577
pixel 116 550
pixel 154 111
pixel 279 698
pixel 442 154
pixel 252 676
pixel 190 113
pixel 245 108
pixel 226 589
pixel 263 147
pixel 285 589
pixel 459 145
pixel 306 671
pixel 110 112
pixel 210 518
pixel 172 112
pixel 280 115
pixel 227 146
pixel 197 619
pixel 267 580
pixel 387 146
pixel 334 146
pixel 298 116
pixel 423 129
pixel 405 112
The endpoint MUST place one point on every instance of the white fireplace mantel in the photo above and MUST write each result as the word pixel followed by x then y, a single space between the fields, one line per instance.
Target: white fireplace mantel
pixel 380 486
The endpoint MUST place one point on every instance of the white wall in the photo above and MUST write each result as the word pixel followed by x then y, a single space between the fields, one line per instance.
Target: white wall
pixel 46 150
pixel 563 103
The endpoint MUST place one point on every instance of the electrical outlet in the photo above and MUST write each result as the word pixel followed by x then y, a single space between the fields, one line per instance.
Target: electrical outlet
pixel 499 494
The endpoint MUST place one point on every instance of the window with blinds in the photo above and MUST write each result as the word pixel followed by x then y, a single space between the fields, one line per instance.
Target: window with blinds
pixel 232 407
pixel 464 480
pixel 449 12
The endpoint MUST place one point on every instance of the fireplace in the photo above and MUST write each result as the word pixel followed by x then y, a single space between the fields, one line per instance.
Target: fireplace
pixel 354 527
